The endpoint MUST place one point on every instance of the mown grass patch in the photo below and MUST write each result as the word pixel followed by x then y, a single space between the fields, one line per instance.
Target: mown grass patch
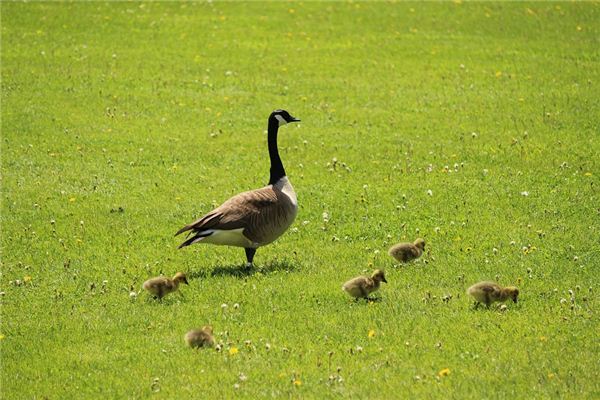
pixel 473 125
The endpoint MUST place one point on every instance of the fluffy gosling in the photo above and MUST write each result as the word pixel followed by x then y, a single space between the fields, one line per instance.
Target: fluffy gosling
pixel 405 252
pixel 197 338
pixel 162 286
pixel 490 292
pixel 362 286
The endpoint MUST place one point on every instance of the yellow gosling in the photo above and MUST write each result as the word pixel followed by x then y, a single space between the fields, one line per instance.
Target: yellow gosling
pixel 362 286
pixel 405 252
pixel 197 338
pixel 161 286
pixel 490 292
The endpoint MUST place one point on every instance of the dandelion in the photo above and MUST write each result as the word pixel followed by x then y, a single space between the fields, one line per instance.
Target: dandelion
pixel 297 382
pixel 233 351
pixel 550 375
pixel 444 372
pixel 71 199
pixel 27 279
pixel 371 333
pixel 543 339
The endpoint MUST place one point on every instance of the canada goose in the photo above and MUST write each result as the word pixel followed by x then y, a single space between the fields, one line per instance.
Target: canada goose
pixel 200 337
pixel 254 218
pixel 405 252
pixel 362 286
pixel 489 292
pixel 162 286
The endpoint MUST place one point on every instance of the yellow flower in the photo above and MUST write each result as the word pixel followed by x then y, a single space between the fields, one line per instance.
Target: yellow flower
pixel 543 338
pixel 588 174
pixel 297 382
pixel 444 372
pixel 27 279
pixel 371 333
pixel 2 337
pixel 233 351
pixel 71 199
pixel 550 375
pixel 498 74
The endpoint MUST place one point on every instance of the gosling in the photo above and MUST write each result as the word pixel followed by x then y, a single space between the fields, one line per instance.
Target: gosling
pixel 362 286
pixel 405 252
pixel 490 292
pixel 162 286
pixel 197 338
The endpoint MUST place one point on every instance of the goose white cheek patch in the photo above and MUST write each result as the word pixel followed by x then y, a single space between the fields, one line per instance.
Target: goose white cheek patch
pixel 281 120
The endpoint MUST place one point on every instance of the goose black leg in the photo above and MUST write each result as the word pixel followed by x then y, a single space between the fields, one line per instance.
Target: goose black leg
pixel 249 255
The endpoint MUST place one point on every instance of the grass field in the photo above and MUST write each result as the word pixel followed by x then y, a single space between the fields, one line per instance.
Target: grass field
pixel 473 125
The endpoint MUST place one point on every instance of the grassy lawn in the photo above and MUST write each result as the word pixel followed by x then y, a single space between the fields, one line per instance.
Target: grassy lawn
pixel 473 125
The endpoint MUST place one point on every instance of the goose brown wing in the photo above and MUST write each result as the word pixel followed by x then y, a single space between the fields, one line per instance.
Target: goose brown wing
pixel 244 210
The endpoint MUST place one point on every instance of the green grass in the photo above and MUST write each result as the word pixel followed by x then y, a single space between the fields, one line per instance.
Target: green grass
pixel 122 122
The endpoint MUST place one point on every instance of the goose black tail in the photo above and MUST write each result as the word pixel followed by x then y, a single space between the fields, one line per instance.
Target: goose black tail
pixel 196 238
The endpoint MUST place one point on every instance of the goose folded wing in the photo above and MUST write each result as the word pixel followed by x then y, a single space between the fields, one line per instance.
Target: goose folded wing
pixel 244 210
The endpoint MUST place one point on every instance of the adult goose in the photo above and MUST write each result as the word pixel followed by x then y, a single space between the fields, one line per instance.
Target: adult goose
pixel 255 218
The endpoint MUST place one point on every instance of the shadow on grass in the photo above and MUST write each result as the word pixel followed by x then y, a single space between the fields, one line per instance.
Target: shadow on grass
pixel 243 271
pixel 367 300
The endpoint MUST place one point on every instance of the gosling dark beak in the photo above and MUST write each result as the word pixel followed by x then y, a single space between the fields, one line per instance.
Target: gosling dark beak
pixel 383 280
pixel 186 281
pixel 515 300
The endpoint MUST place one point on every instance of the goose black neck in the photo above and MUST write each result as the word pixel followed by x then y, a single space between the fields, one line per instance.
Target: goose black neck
pixel 277 171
